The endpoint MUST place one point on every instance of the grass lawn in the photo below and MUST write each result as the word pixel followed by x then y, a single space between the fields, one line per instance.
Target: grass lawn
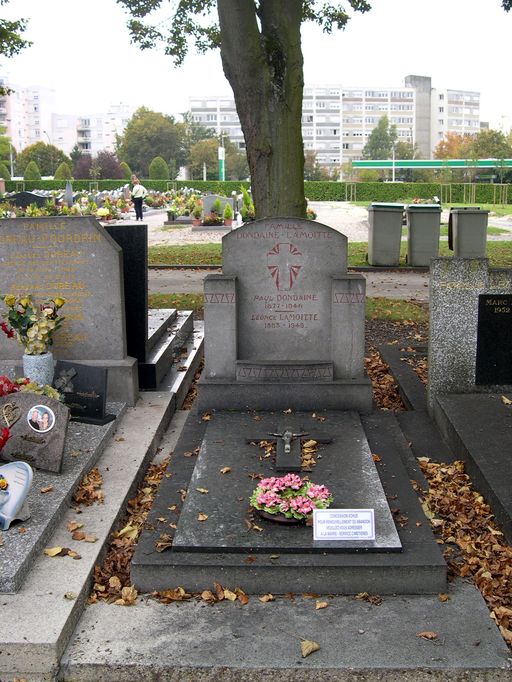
pixel 499 254
pixel 375 308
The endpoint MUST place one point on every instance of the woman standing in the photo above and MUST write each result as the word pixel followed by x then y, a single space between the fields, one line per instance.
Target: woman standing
pixel 139 192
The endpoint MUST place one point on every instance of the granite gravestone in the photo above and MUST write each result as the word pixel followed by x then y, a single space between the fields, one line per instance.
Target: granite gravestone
pixel 465 316
pixel 38 427
pixel 209 199
pixel 284 311
pixel 74 258
pixel 84 390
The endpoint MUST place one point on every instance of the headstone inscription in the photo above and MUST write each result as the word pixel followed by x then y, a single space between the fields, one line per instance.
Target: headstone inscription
pixel 15 482
pixel 38 426
pixel 84 390
pixel 493 347
pixel 284 311
pixel 75 258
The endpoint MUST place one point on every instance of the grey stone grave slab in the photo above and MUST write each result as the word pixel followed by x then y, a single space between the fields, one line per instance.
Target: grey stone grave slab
pixel 209 199
pixel 84 390
pixel 84 445
pixel 75 258
pixel 455 287
pixel 284 310
pixel 38 427
pixel 345 466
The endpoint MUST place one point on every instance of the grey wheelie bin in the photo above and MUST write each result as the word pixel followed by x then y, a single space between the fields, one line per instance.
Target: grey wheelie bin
pixel 384 233
pixel 467 232
pixel 423 230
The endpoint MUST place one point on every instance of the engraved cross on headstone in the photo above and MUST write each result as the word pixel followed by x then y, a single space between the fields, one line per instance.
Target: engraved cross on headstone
pixel 284 262
pixel 288 447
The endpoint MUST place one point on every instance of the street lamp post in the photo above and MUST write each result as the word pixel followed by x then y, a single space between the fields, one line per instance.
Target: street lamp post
pixel 51 152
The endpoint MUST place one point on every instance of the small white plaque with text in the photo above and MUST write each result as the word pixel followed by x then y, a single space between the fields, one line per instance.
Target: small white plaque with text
pixel 343 524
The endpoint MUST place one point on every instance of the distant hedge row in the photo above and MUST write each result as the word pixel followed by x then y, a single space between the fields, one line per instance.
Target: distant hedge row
pixel 315 191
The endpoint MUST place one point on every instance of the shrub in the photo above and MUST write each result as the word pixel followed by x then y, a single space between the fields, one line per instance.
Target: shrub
pixel 32 172
pixel 4 172
pixel 228 212
pixel 158 169
pixel 127 171
pixel 216 207
pixel 63 172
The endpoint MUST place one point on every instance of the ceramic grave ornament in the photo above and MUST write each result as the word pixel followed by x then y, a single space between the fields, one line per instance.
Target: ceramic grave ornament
pixel 38 426
pixel 15 482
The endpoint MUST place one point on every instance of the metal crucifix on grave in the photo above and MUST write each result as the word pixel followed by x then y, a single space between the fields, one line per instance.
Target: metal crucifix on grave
pixel 288 452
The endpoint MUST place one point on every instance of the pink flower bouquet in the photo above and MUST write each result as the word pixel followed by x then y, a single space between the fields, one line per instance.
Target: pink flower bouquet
pixel 290 496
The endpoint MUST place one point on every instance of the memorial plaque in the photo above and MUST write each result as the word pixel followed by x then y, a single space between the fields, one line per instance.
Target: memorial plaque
pixel 84 389
pixel 74 258
pixel 493 349
pixel 38 427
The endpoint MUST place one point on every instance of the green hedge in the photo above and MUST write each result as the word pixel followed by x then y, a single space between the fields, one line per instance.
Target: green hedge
pixel 315 191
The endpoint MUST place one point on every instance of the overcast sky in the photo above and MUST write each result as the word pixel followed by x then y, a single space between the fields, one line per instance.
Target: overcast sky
pixel 82 50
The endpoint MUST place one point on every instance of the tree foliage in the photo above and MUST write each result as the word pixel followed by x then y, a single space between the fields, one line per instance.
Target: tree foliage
pixel 47 157
pixel 149 133
pixel 63 172
pixel 380 141
pixel 127 171
pixel 312 169
pixel 486 144
pixel 205 152
pixel 11 41
pixel 110 168
pixel 158 169
pixel 32 172
pixel 262 60
pixel 4 172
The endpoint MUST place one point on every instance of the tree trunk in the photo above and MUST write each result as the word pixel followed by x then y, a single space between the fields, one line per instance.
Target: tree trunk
pixel 263 64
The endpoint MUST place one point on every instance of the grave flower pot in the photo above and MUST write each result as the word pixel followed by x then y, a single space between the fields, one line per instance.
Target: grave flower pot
pixel 279 518
pixel 196 221
pixel 39 368
pixel 228 222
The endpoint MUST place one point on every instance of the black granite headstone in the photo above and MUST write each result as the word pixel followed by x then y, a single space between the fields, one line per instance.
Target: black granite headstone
pixel 493 349
pixel 24 199
pixel 133 239
pixel 84 389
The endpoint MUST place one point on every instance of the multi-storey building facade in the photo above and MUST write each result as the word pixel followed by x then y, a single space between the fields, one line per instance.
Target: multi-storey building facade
pixel 337 120
pixel 28 116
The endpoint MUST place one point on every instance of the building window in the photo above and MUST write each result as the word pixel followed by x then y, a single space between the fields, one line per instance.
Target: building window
pixel 441 96
pixel 441 110
pixel 441 121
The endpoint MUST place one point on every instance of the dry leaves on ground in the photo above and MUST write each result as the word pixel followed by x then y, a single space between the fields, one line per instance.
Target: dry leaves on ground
pixel 418 363
pixel 385 388
pixel 192 392
pixel 214 596
pixel 112 578
pixel 474 546
pixel 89 491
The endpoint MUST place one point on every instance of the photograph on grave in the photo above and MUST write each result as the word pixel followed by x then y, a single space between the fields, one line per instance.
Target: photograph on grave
pixel 84 390
pixel 41 418
pixel 37 429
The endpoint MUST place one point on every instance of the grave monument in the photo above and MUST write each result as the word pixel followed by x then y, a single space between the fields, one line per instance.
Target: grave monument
pixel 284 344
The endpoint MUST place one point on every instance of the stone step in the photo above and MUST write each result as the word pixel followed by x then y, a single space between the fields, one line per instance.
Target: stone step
pixel 84 445
pixel 159 319
pixel 165 351
pixel 478 428
pixel 31 645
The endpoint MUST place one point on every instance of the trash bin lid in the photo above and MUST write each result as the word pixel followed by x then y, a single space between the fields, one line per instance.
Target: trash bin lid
pixel 469 209
pixel 386 206
pixel 424 207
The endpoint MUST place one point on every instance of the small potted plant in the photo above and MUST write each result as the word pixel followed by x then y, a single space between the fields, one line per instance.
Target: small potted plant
pixel 197 212
pixel 289 499
pixel 34 326
pixel 228 215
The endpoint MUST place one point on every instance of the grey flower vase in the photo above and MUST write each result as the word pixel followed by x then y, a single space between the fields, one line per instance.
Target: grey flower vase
pixel 39 368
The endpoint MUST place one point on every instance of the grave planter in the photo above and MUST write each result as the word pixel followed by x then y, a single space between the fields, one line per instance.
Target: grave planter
pixel 39 368
pixel 228 222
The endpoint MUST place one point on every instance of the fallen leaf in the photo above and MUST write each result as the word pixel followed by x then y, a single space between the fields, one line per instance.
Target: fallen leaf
pixel 73 525
pixel 231 596
pixel 128 595
pixel 22 530
pixel 443 597
pixel 427 635
pixel 70 595
pixel 163 542
pixel 308 647
pixel 321 605
pixel 207 596
pixel 203 491
pixel 46 489
pixel 219 591
pixel 90 538
pixel 52 551
pixel 206 417
pixel 225 470
pixel 266 598
pixel 114 582
pixel 202 517
pixel 376 458
pixel 78 535
pixel 506 400
pixel 288 411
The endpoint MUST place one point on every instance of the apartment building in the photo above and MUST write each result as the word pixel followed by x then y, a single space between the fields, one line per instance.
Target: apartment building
pixel 28 115
pixel 337 120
